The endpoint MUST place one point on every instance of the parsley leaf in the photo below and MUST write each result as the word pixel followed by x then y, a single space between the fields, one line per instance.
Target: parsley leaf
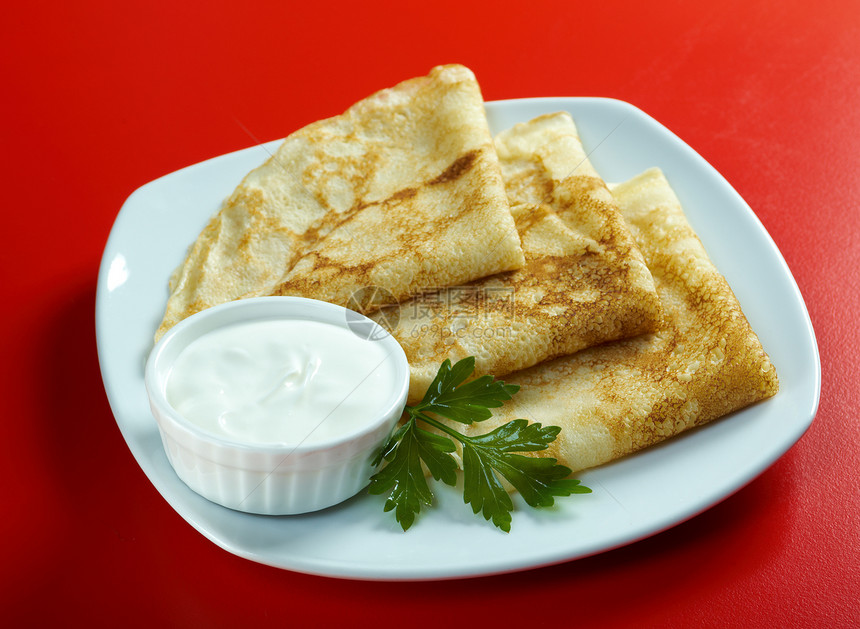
pixel 404 476
pixel 486 457
pixel 466 403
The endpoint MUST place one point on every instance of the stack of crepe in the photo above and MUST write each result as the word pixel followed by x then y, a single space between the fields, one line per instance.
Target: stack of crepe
pixel 584 282
pixel 601 303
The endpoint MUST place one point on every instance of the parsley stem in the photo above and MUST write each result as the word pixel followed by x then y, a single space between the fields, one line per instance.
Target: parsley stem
pixel 417 414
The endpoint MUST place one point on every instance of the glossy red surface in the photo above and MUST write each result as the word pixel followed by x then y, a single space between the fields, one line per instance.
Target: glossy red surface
pixel 101 97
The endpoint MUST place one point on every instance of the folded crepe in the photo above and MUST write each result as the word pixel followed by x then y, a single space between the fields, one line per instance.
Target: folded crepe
pixel 704 362
pixel 584 281
pixel 401 192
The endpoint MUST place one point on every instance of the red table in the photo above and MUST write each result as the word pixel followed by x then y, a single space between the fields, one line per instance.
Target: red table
pixel 102 97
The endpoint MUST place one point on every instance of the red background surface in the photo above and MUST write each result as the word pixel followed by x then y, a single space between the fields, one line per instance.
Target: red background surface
pixel 100 98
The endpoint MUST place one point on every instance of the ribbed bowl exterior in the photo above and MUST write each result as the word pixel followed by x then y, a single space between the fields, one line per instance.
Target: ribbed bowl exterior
pixel 266 481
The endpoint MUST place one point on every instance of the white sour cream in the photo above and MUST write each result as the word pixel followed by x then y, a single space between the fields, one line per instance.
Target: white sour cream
pixel 281 382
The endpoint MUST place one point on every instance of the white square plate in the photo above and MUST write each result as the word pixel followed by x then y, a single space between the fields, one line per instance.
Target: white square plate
pixel 632 498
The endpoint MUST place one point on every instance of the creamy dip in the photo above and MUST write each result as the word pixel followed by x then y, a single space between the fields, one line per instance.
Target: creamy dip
pixel 282 382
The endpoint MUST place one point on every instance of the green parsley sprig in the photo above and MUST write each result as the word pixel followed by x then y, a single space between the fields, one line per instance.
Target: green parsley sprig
pixel 485 457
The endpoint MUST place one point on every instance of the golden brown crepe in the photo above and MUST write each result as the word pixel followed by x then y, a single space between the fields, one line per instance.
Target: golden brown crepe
pixel 704 361
pixel 584 281
pixel 401 192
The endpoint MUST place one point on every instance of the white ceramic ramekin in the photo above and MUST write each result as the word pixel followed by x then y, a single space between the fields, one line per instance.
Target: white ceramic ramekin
pixel 273 480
